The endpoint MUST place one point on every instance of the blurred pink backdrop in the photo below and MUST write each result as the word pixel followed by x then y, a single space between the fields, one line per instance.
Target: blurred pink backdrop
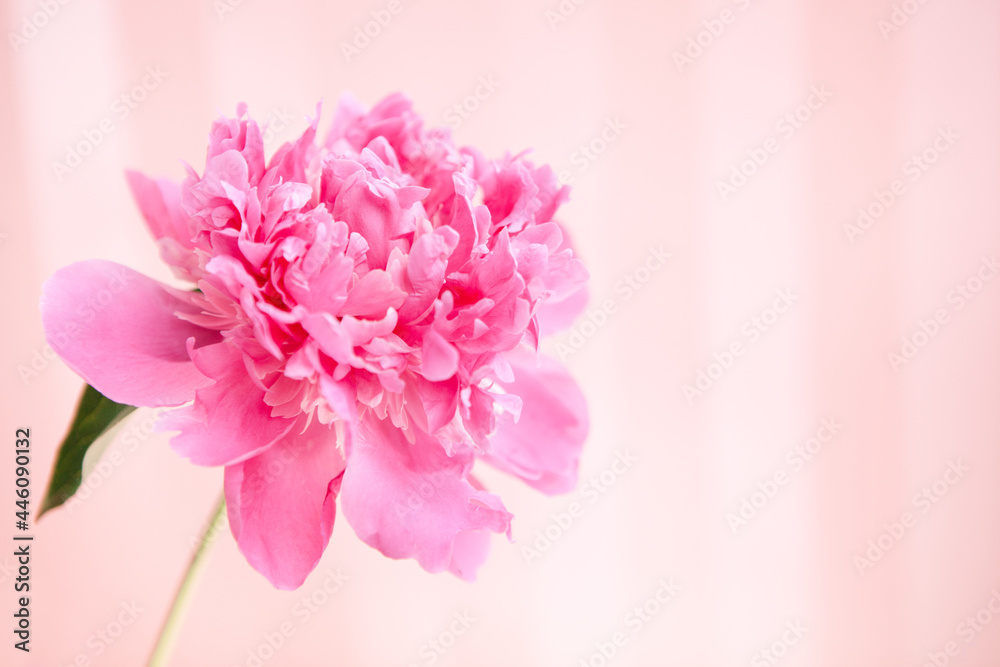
pixel 841 558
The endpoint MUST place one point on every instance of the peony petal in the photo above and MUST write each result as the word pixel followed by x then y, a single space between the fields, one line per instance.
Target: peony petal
pixel 494 274
pixel 343 403
pixel 372 209
pixel 425 269
pixel 565 277
pixel 472 228
pixel 469 551
pixel 229 421
pixel 439 358
pixel 471 548
pixel 118 330
pixel 160 204
pixel 281 503
pixel 477 415
pixel 431 404
pixel 371 296
pixel 413 500
pixel 555 316
pixel 543 447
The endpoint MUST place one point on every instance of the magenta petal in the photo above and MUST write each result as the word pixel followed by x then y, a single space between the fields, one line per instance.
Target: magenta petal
pixel 281 503
pixel 543 447
pixel 118 330
pixel 411 500
pixel 229 421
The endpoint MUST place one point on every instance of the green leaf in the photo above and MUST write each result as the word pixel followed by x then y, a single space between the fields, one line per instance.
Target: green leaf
pixel 95 417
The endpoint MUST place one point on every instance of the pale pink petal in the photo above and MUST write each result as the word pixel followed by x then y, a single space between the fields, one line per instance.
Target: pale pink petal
pixel 119 330
pixel 411 500
pixel 281 503
pixel 469 552
pixel 565 277
pixel 543 447
pixel 471 548
pixel 160 204
pixel 554 316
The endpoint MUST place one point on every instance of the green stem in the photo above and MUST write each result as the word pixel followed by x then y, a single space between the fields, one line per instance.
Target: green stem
pixel 182 599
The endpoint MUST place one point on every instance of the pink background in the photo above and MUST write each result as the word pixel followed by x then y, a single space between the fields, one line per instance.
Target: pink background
pixel 655 184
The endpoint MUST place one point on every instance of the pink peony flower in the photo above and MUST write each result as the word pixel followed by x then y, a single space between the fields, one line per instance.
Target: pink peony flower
pixel 365 328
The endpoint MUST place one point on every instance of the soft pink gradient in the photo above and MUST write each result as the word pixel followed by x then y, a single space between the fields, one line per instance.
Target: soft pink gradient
pixel 654 185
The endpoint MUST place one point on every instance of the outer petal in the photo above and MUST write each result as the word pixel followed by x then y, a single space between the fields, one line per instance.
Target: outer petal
pixel 555 316
pixel 118 330
pixel 414 501
pixel 567 278
pixel 431 404
pixel 281 503
pixel 543 447
pixel 160 203
pixel 229 421
pixel 471 548
pixel 469 551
